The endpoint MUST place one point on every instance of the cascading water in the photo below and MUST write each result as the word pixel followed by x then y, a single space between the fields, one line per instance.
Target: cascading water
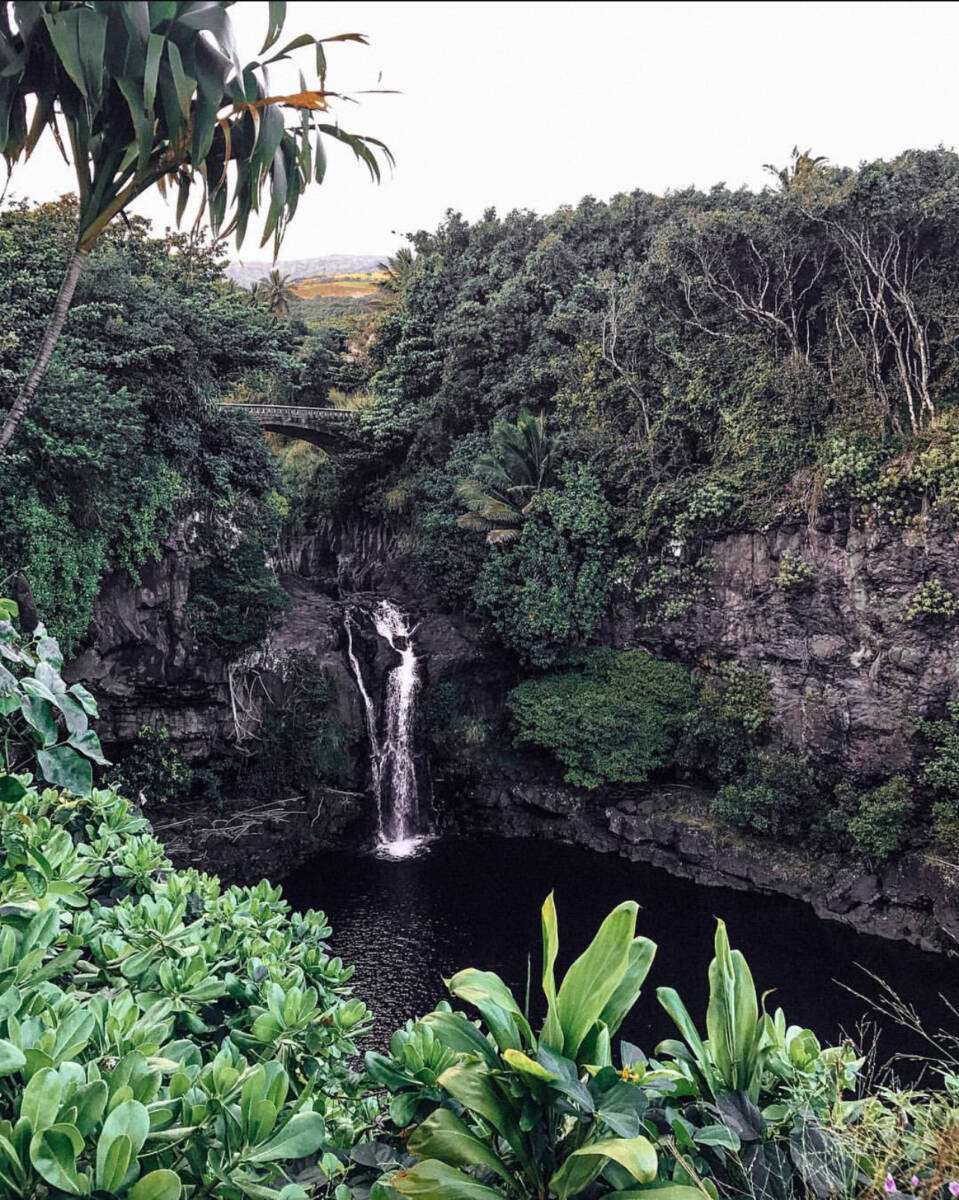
pixel 400 823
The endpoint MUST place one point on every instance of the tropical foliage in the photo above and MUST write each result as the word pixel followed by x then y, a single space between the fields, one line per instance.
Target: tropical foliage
pixel 125 438
pixel 157 96
pixel 616 719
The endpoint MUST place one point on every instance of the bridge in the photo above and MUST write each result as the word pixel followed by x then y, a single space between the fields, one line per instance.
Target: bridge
pixel 333 429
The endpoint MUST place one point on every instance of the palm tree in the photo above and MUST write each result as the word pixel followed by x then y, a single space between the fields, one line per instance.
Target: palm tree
pixel 508 478
pixel 151 95
pixel 802 165
pixel 276 293
pixel 399 269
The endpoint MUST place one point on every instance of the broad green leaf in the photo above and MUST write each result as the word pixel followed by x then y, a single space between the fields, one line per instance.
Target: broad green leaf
pixel 38 713
pixel 444 1136
pixel 434 1180
pixel 641 954
pixel 524 1065
pixel 11 789
pixel 669 1192
pixel 716 1135
pixel 460 1035
pixel 157 1185
pixel 670 1000
pixel 53 1155
pixel 65 768
pixel 88 744
pixel 86 699
pixel 637 1155
pixel 492 997
pixel 40 1102
pixel 594 977
pixel 11 1058
pixel 476 1089
pixel 300 1137
pixel 123 1134
pixel 732 1017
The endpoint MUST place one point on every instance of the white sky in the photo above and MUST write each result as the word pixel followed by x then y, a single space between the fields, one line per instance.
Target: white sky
pixel 533 105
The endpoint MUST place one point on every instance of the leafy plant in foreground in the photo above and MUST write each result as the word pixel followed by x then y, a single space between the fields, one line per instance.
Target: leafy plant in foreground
pixel 503 1111
pixel 41 718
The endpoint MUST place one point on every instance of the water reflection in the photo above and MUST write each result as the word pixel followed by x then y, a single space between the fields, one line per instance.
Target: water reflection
pixel 406 924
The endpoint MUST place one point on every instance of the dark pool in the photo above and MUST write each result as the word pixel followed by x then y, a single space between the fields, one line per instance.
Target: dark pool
pixel 406 924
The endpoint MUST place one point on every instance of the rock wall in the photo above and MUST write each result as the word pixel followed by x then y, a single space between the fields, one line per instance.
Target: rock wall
pixel 849 672
pixel 145 666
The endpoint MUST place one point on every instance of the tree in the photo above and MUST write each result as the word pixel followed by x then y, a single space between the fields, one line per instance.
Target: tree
pixel 275 292
pixel 399 269
pixel 508 477
pixel 155 95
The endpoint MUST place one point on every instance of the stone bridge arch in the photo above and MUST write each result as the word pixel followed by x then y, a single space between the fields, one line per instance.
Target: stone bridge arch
pixel 332 429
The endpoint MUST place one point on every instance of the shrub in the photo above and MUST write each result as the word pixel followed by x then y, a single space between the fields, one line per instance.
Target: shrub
pixel 615 718
pixel 159 1029
pixel 940 772
pixel 933 601
pixel 735 708
pixel 881 823
pixel 154 770
pixel 794 572
pixel 778 795
pixel 235 598
pixel 546 592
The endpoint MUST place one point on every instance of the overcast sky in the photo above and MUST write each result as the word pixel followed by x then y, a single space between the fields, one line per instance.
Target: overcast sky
pixel 534 105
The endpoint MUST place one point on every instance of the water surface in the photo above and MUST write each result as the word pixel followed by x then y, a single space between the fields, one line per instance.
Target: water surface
pixel 407 924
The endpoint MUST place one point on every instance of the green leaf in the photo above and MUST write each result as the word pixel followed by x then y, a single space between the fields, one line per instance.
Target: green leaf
pixel 732 1017
pixel 476 1089
pixel 669 1192
pixel 151 73
pixel 121 1138
pixel 434 1180
pixel 158 1185
pixel 88 744
pixel 641 954
pixel 637 1155
pixel 65 768
pixel 53 1154
pixel 716 1135
pixel 460 1035
pixel 11 1058
pixel 300 1137
pixel 40 1102
pixel 48 650
pixel 38 714
pixel 444 1136
pixel 86 699
pixel 11 789
pixel 593 978
pixel 277 12
pixel 492 997
pixel 552 1032
pixel 524 1065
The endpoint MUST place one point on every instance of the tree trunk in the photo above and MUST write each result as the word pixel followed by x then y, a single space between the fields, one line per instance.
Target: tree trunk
pixel 51 336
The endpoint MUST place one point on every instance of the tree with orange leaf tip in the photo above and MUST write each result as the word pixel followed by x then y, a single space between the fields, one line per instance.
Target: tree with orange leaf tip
pixel 155 95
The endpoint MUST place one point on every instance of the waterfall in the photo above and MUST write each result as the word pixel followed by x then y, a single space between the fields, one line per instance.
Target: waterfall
pixel 400 829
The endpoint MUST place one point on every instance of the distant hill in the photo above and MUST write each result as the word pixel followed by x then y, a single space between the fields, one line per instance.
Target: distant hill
pixel 247 273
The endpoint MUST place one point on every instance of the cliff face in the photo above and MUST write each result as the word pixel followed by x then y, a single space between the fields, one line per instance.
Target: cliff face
pixel 849 672
pixel 145 666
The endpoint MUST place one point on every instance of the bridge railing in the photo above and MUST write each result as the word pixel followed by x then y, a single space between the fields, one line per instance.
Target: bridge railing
pixel 293 414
